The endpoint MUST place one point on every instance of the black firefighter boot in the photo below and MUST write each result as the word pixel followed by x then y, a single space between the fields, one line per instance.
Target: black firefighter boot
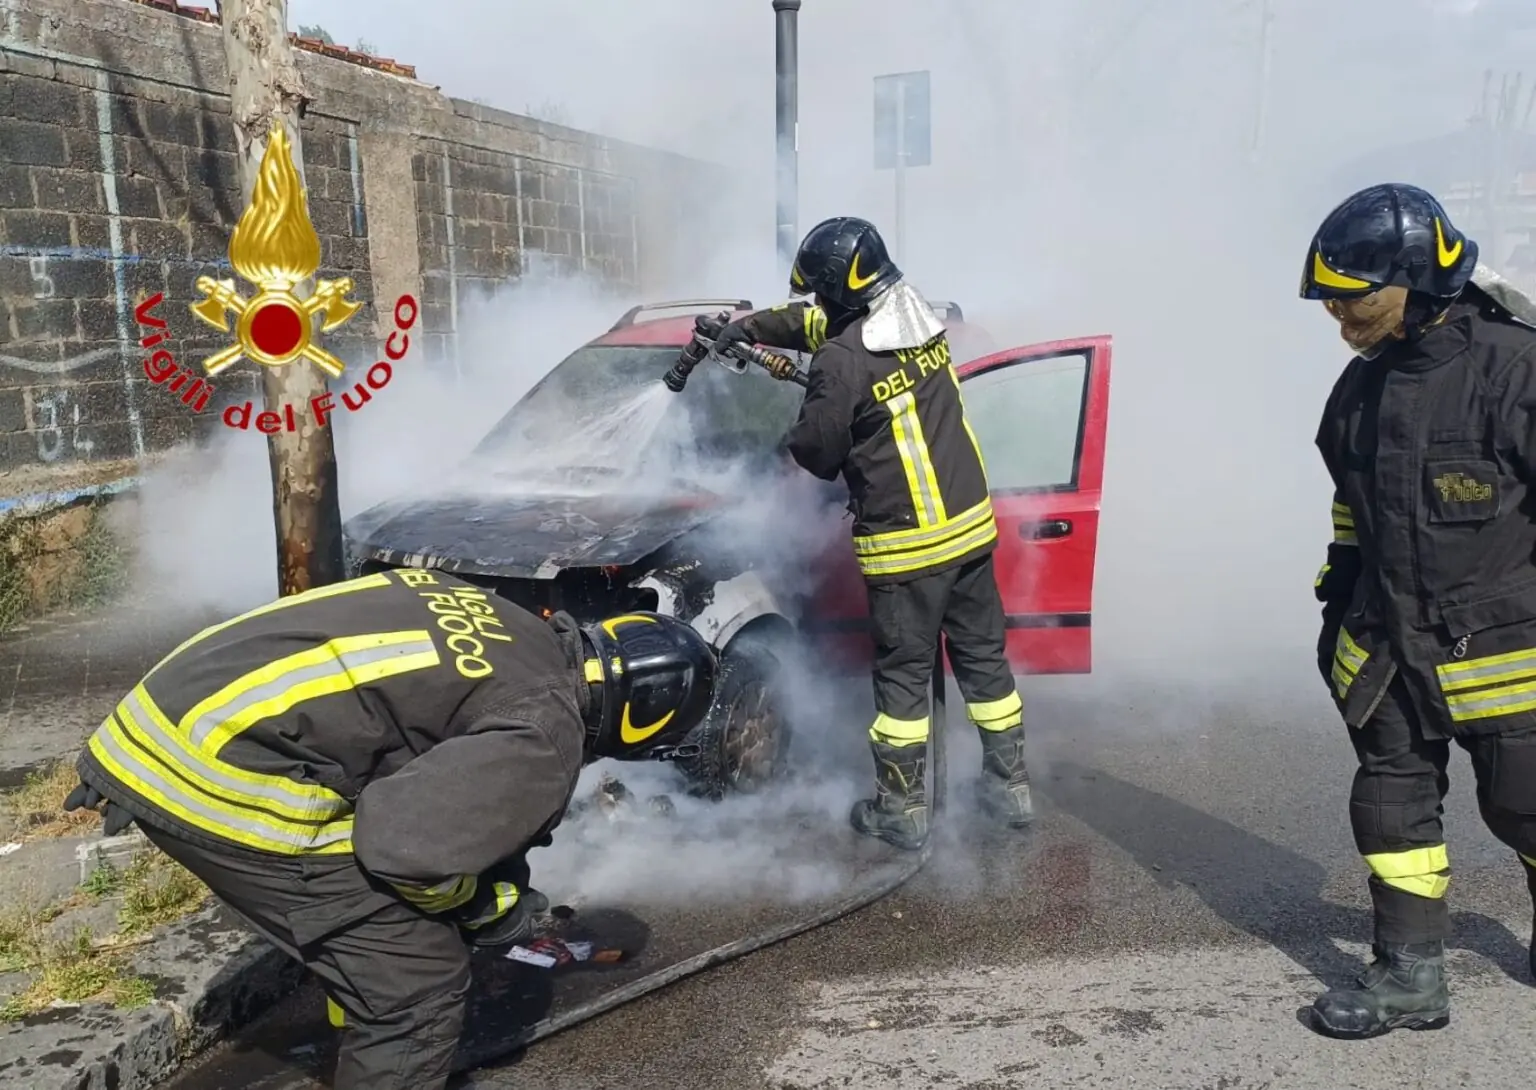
pixel 1403 988
pixel 898 814
pixel 1005 776
pixel 1530 882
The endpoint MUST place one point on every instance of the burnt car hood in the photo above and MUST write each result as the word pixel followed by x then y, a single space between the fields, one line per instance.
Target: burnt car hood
pixel 527 536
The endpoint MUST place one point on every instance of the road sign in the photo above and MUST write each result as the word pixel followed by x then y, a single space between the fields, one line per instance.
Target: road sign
pixel 902 121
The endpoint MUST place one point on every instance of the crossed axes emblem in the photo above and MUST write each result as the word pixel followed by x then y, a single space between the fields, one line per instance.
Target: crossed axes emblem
pixel 276 327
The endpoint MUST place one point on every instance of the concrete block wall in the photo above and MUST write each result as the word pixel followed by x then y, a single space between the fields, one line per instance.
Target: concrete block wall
pixel 118 180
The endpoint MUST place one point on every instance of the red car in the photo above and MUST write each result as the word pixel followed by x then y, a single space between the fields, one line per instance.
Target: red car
pixel 603 539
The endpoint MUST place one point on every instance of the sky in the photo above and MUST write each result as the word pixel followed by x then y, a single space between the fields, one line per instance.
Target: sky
pixel 1118 166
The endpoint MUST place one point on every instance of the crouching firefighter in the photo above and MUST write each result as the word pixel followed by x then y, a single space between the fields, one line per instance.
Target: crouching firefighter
pixel 359 772
pixel 1429 593
pixel 882 408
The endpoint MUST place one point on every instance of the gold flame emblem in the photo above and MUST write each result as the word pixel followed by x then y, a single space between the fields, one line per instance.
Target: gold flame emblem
pixel 275 247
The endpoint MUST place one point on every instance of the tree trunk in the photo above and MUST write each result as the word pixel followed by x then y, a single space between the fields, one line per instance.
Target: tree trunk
pixel 265 85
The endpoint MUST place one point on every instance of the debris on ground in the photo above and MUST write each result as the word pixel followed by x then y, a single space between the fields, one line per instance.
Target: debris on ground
pixel 614 801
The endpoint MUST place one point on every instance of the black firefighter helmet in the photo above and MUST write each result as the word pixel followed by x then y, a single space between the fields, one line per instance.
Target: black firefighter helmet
pixel 843 262
pixel 1389 236
pixel 656 676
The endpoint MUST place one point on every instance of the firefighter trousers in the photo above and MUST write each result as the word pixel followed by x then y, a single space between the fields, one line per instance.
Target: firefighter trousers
pixel 1396 804
pixel 399 977
pixel 964 604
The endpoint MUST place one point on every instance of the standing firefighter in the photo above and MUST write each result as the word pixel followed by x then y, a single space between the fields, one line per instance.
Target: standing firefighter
pixel 1429 592
pixel 882 408
pixel 360 770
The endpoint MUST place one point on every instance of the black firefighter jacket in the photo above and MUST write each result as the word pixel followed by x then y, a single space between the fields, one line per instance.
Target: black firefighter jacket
pixel 1432 572
pixel 407 718
pixel 894 426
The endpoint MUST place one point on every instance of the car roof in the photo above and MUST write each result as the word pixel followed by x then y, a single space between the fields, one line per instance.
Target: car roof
pixel 674 332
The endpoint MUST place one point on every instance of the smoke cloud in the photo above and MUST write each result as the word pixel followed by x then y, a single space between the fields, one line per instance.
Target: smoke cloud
pixel 1149 170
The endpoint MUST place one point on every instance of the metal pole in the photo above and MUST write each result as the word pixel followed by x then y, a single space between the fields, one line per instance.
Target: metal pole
pixel 787 66
pixel 1266 60
pixel 901 170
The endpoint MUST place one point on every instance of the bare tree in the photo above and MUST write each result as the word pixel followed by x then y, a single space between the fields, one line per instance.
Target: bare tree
pixel 266 90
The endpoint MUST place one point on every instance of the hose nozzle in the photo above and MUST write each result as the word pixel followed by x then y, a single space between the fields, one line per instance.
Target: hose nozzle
pixel 691 356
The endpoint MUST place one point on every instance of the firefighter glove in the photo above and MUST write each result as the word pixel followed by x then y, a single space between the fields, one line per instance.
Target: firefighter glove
pixel 1336 581
pixel 732 334
pixel 501 915
pixel 114 819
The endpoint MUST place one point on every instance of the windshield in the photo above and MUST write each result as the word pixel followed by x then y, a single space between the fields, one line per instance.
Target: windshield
pixel 568 418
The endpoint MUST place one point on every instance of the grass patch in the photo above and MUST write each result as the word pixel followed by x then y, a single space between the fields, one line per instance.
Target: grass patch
pixel 65 558
pixel 154 890
pixel 37 806
pixel 102 567
pixel 157 890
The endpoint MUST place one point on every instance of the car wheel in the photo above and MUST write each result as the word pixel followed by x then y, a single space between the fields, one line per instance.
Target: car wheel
pixel 744 741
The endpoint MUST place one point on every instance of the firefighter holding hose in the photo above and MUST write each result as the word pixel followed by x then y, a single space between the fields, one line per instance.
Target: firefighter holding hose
pixel 360 770
pixel 882 409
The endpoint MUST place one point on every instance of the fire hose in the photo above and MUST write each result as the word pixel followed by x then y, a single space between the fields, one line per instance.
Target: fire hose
pixel 702 345
pixel 739 948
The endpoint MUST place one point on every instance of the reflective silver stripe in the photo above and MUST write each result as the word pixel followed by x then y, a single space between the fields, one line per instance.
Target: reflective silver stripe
pixel 286 798
pixel 908 432
pixel 1492 702
pixel 334 666
pixel 171 794
pixel 1467 675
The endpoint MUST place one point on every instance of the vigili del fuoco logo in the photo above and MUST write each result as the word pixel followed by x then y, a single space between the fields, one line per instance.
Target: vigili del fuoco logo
pixel 274 248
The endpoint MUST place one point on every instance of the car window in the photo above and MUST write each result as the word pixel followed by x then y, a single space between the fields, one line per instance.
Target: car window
pixel 1028 420
pixel 718 414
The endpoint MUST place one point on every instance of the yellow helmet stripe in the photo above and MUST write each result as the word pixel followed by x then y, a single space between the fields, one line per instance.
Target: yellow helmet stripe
pixel 1328 278
pixel 633 735
pixel 611 625
pixel 1448 256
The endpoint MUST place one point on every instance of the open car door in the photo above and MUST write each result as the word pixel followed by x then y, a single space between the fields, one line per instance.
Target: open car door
pixel 1040 414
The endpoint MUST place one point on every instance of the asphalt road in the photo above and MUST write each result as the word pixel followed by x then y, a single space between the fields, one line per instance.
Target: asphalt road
pixel 1189 888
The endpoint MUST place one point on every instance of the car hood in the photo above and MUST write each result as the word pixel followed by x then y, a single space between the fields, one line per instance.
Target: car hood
pixel 529 536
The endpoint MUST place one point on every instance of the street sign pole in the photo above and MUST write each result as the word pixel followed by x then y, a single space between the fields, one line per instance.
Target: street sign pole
pixel 902 138
pixel 901 170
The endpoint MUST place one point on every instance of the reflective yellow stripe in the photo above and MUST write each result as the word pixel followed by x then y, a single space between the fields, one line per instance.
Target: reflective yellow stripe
pixel 506 898
pixel 918 559
pixel 900 540
pixel 174 788
pixel 1470 673
pixel 1503 684
pixel 997 715
pixel 1344 525
pixel 954 376
pixel 922 481
pixel 333 667
pixel 1348 659
pixel 367 582
pixel 1529 861
pixel 815 327
pixel 280 796
pixel 899 732
pixel 1413 871
pixel 1324 570
pixel 334 1014
pixel 447 894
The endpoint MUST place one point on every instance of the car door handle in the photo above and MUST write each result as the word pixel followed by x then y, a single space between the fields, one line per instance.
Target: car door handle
pixel 1042 531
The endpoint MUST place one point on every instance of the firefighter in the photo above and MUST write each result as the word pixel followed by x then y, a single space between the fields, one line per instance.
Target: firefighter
pixel 360 770
pixel 883 409
pixel 1429 592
